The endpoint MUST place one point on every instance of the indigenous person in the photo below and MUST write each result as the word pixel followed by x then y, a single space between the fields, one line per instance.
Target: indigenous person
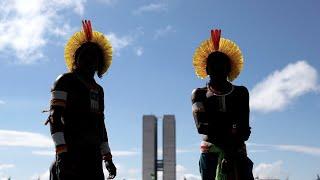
pixel 77 110
pixel 221 111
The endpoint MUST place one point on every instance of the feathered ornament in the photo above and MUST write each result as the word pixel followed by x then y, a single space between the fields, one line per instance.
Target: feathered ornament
pixel 87 35
pixel 217 43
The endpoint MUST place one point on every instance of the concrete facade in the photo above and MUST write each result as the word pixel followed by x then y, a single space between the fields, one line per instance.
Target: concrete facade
pixel 150 163
pixel 149 159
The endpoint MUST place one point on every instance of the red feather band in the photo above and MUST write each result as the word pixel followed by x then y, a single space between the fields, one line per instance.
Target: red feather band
pixel 87 28
pixel 215 37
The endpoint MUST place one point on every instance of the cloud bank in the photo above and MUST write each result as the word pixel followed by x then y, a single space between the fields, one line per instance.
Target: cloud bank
pixel 281 87
pixel 26 26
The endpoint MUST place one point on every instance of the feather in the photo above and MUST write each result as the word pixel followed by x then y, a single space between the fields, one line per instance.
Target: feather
pixel 90 29
pixel 215 37
pixel 86 24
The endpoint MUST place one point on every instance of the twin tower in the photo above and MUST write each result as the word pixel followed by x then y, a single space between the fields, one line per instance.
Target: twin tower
pixel 150 162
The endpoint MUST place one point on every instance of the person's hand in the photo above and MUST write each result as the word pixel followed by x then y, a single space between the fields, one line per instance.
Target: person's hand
pixel 111 169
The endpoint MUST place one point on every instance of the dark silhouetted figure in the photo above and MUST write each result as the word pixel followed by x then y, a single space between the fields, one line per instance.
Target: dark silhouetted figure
pixel 77 111
pixel 221 114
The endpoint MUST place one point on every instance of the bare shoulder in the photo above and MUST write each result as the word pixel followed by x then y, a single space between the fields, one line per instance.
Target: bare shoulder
pixel 198 94
pixel 63 80
pixel 199 91
pixel 64 77
pixel 241 90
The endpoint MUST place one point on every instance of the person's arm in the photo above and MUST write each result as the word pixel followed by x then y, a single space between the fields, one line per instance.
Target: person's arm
pixel 198 111
pixel 104 146
pixel 57 107
pixel 58 104
pixel 245 129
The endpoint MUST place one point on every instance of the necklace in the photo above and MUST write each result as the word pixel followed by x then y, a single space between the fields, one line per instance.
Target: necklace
pixel 219 93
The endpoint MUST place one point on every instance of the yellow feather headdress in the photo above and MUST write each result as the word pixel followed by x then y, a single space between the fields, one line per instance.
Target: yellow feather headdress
pixel 216 43
pixel 87 35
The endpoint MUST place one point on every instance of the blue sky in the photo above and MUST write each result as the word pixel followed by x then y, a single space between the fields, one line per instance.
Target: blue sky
pixel 152 73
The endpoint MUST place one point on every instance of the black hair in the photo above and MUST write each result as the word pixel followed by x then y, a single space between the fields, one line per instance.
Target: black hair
pixel 96 48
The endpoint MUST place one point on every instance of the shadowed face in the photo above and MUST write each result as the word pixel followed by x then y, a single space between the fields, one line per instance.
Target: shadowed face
pixel 88 59
pixel 218 65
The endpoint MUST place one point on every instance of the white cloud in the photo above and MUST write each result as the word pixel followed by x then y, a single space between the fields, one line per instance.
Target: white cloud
pixel 265 170
pixel 192 177
pixel 315 151
pixel 115 153
pixel 4 177
pixel 182 173
pixel 179 150
pixel 134 170
pixel 3 168
pixel 163 31
pixel 300 149
pixel 109 2
pixel 44 175
pixel 25 26
pixel 24 139
pixel 44 152
pixel 118 42
pixel 180 168
pixel 76 5
pixel 257 151
pixel 135 173
pixel 139 51
pixel 124 153
pixel 64 31
pixel 6 166
pixel 153 7
pixel 2 102
pixel 121 42
pixel 282 86
pixel 130 173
